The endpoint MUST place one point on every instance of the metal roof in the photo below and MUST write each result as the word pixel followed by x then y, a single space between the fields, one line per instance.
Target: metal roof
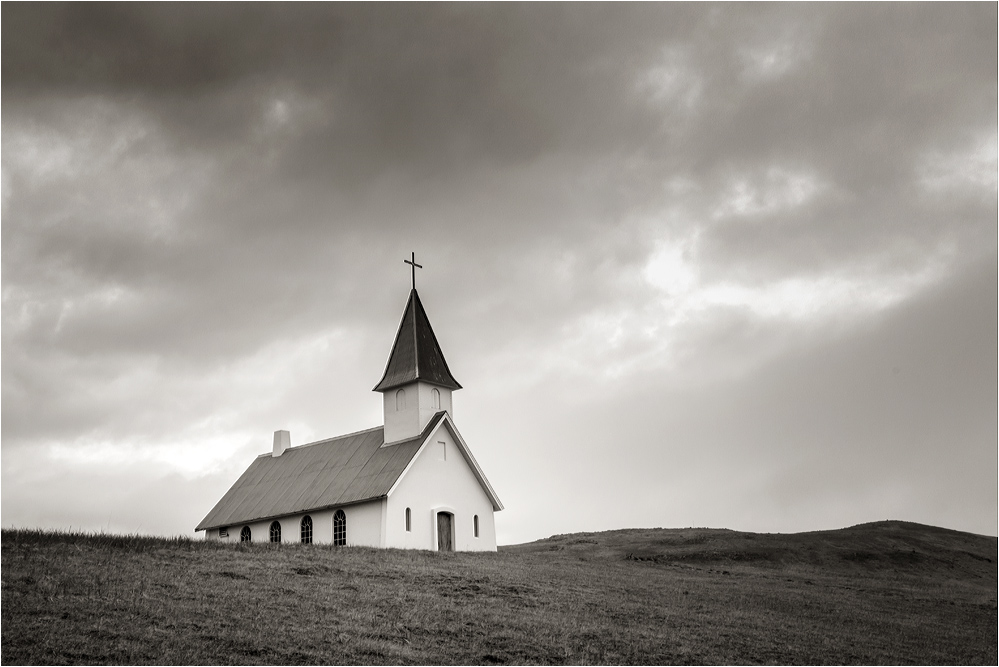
pixel 416 354
pixel 338 471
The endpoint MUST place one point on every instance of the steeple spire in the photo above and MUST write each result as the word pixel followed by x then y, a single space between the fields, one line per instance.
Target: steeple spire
pixel 416 355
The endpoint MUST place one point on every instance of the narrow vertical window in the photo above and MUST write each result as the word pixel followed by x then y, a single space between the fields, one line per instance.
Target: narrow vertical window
pixel 475 525
pixel 436 398
pixel 400 399
pixel 275 532
pixel 339 529
pixel 307 530
pixel 244 535
pixel 409 520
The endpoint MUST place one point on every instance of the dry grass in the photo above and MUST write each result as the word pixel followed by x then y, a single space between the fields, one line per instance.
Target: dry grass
pixel 876 594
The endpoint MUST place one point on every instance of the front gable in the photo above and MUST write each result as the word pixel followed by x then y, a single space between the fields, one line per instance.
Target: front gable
pixel 443 483
pixel 445 422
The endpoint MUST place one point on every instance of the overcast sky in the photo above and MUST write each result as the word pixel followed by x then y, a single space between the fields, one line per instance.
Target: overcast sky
pixel 696 265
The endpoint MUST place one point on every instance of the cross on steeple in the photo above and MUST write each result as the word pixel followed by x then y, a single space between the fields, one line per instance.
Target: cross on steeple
pixel 415 266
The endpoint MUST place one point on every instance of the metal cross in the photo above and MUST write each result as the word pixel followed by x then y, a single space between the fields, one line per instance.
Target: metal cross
pixel 412 262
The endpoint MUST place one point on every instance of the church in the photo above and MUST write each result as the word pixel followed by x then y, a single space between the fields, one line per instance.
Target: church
pixel 411 483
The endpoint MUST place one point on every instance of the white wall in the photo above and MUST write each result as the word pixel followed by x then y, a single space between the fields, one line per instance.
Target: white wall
pixel 434 484
pixel 363 527
pixel 364 524
pixel 410 422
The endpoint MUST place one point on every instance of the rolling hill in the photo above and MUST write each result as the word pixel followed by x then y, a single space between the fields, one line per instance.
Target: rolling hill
pixel 880 593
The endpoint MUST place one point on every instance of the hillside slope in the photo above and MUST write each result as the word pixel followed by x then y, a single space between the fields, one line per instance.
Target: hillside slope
pixel 898 545
pixel 880 593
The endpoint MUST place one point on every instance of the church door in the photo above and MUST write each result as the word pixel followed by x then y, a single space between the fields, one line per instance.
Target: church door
pixel 444 542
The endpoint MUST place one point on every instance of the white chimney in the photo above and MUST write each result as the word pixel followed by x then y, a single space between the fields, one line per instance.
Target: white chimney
pixel 282 441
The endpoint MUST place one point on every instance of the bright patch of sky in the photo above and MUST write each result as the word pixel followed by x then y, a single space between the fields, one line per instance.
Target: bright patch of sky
pixel 202 434
pixel 774 59
pixel 672 267
pixel 819 298
pixel 104 297
pixel 777 189
pixel 672 82
pixel 45 149
pixel 115 152
pixel 191 458
pixel 648 336
pixel 290 112
pixel 974 167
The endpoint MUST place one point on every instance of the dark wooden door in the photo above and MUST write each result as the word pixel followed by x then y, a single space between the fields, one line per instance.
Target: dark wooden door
pixel 444 532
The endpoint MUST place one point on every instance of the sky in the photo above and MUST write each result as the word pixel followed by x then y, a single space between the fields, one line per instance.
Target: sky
pixel 709 265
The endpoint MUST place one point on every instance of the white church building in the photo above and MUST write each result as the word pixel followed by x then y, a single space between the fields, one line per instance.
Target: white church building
pixel 411 483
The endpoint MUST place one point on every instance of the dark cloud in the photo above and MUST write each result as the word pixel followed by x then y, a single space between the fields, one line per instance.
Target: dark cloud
pixel 191 191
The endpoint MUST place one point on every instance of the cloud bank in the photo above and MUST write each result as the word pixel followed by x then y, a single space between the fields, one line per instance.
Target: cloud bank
pixel 708 264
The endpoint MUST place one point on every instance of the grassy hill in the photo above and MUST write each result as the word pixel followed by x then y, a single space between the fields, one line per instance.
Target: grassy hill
pixel 888 592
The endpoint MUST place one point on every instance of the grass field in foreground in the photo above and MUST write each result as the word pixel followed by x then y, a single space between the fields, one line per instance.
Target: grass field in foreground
pixel 889 592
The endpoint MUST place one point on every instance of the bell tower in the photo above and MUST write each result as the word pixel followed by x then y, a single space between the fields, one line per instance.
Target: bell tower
pixel 417 383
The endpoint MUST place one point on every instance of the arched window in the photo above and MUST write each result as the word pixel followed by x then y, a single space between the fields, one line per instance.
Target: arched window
pixel 275 532
pixel 400 399
pixel 409 520
pixel 307 530
pixel 436 398
pixel 244 535
pixel 339 529
pixel 475 524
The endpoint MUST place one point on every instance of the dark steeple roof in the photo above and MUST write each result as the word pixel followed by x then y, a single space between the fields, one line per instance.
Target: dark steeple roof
pixel 416 354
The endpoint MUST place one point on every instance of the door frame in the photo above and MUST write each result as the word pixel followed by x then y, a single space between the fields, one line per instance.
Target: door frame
pixel 433 525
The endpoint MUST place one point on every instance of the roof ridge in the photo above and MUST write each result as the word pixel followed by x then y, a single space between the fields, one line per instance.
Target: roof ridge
pixel 325 440
pixel 422 435
pixel 348 469
pixel 417 306
pixel 395 341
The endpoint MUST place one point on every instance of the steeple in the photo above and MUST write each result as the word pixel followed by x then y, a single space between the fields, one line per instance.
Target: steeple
pixel 417 382
pixel 416 354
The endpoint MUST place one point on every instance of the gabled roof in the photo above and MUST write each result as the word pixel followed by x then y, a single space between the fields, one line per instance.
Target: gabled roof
pixel 416 354
pixel 339 471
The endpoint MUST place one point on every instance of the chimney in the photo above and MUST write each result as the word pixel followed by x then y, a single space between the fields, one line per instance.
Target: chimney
pixel 282 441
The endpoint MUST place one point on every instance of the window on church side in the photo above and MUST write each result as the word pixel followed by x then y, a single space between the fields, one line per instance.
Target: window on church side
pixel 275 532
pixel 307 530
pixel 339 529
pixel 409 520
pixel 244 535
pixel 224 532
pixel 400 400
pixel 435 395
pixel 475 525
